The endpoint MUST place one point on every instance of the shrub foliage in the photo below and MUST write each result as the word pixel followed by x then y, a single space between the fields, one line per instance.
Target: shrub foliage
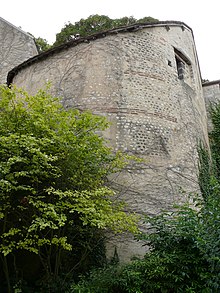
pixel 52 193
pixel 184 245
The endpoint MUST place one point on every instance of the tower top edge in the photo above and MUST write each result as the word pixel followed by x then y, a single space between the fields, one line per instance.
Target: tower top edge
pixel 72 43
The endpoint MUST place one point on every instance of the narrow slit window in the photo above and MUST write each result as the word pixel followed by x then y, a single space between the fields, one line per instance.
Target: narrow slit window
pixel 182 63
pixel 180 68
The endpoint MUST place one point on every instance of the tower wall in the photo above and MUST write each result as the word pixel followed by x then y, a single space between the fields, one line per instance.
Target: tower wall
pixel 16 47
pixel 211 93
pixel 147 83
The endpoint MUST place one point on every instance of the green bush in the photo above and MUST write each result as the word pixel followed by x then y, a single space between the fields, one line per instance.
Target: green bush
pixel 184 245
pixel 54 203
pixel 183 257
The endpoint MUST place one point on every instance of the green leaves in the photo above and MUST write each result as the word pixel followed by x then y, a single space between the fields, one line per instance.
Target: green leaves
pixel 93 24
pixel 53 166
pixel 42 44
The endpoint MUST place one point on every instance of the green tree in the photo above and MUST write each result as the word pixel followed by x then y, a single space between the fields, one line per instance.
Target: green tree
pixel 52 172
pixel 42 44
pixel 93 24
pixel 84 27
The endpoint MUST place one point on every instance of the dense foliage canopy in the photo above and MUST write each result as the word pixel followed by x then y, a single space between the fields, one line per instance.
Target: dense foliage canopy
pixel 93 24
pixel 84 27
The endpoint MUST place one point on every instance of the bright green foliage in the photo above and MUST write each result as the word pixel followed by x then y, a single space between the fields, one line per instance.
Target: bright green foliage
pixel 52 171
pixel 93 24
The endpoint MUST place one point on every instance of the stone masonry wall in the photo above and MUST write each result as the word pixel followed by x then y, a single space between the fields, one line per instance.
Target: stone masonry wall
pixel 148 84
pixel 16 47
pixel 211 92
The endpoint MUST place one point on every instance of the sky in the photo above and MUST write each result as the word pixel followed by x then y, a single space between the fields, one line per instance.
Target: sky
pixel 45 18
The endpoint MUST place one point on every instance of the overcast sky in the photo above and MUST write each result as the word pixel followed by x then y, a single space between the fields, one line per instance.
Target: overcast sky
pixel 45 18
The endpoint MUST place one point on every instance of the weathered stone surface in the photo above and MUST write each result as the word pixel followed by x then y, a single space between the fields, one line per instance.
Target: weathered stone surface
pixel 211 93
pixel 148 84
pixel 16 47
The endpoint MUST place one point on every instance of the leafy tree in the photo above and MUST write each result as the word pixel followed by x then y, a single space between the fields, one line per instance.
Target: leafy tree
pixel 52 172
pixel 42 44
pixel 93 24
pixel 147 19
pixel 84 27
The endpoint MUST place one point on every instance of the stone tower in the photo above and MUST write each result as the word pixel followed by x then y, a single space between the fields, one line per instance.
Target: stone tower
pixel 145 79
pixel 16 47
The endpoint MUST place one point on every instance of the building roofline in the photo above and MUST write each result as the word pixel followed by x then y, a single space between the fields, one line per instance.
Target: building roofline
pixel 17 28
pixel 213 82
pixel 130 28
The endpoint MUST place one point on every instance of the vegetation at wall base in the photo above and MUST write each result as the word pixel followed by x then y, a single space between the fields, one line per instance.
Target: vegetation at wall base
pixel 183 257
pixel 54 204
pixel 53 207
pixel 184 245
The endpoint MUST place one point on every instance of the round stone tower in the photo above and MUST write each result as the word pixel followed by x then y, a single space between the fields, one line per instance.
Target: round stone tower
pixel 145 79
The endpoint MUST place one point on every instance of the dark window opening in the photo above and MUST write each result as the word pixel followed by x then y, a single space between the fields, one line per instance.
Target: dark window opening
pixel 180 68
pixel 182 63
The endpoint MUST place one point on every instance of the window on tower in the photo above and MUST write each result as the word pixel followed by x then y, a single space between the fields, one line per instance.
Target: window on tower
pixel 183 65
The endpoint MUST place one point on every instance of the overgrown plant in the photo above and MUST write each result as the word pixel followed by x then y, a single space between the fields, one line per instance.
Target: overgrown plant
pixel 52 171
pixel 183 257
pixel 184 245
